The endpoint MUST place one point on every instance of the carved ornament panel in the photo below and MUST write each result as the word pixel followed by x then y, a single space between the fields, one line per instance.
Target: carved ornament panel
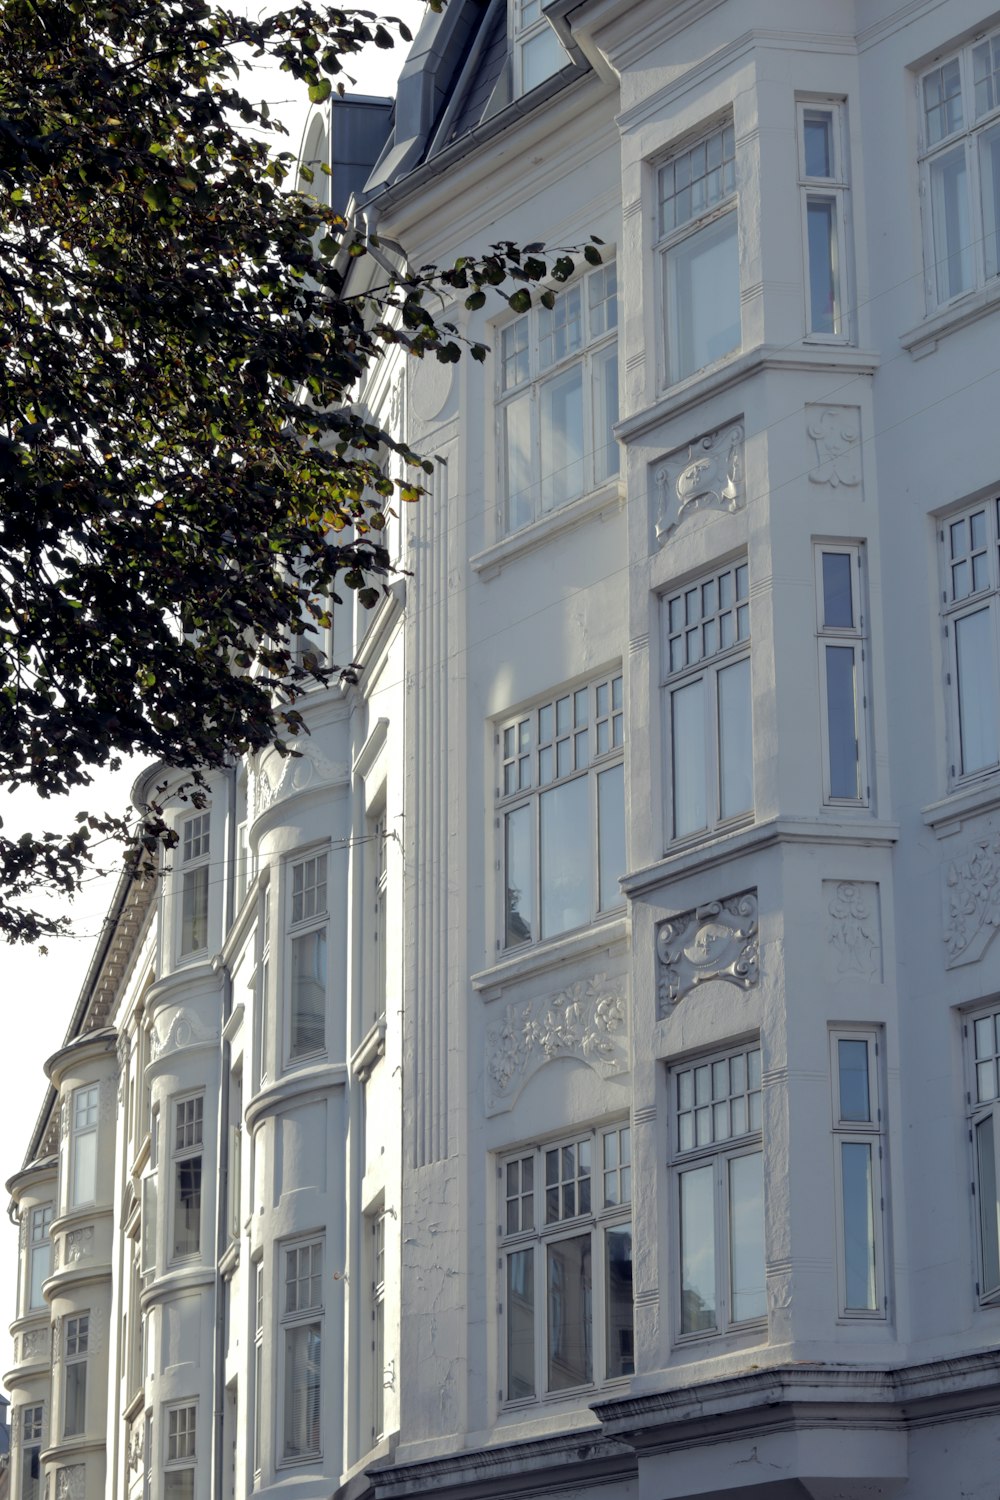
pixel 709 475
pixel 835 431
pixel 972 901
pixel 715 941
pixel 853 929
pixel 588 1021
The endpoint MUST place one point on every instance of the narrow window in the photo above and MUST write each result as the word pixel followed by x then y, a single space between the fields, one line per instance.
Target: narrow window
pixel 258 1365
pixel 307 932
pixel 194 883
pixel 377 1250
pixel 31 1450
pixel 376 913
pixel 983 1038
pixel 841 634
pixel 41 1254
pixel 823 183
pixel 302 1350
pixel 179 1464
pixel 859 1164
pixel 187 1165
pixel 75 1387
pixel 538 53
pixel 83 1145
pixel 970 567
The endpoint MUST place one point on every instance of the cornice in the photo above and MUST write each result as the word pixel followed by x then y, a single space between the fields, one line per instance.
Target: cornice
pixel 295 1088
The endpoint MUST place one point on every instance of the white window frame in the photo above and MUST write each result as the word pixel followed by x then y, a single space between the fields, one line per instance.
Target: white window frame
pixel 835 189
pixel 527 1235
pixel 527 27
pixel 375 1224
pixel 195 845
pixel 39 1249
pixel 258 1369
pixel 32 1420
pixel 683 222
pixel 308 918
pixel 965 139
pixel 187 1144
pixel 85 1106
pixel 180 1434
pixel 982 575
pixel 76 1348
pixel 852 637
pixel 982 1042
pixel 852 1132
pixel 692 634
pixel 526 748
pixel 535 352
pixel 296 1316
pixel 375 865
pixel 697 1142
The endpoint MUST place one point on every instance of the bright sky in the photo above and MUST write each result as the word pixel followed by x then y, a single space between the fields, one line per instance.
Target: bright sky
pixel 37 993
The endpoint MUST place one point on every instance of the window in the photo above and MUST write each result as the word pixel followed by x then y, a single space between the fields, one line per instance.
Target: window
pixel 971 594
pixel 194 883
pixel 31 1450
pixel 538 52
pixel 698 246
pixel 40 1251
pixel 715 1120
pixel 147 1242
pixel 307 1007
pixel 75 1388
pixel 558 395
pixel 857 1130
pixel 842 673
pixel 566 1254
pixel 258 1364
pixel 188 1130
pixel 823 180
pixel 705 652
pixel 83 1145
pixel 376 875
pixel 377 1250
pixel 303 1339
pixel 983 1040
pixel 179 1459
pixel 562 812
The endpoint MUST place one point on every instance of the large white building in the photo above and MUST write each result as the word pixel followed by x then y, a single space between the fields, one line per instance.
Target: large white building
pixel 578 1072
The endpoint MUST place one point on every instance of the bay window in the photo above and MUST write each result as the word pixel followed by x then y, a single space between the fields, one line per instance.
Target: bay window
pixel 970 564
pixel 698 249
pixel 857 1129
pixel 566 1256
pixel 705 652
pixel 302 1344
pixel 823 182
pixel 558 399
pixel 960 165
pixel 718 1193
pixel 194 883
pixel 561 812
pixel 982 1034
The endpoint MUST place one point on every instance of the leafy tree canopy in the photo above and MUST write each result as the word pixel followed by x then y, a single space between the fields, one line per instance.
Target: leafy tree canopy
pixel 183 483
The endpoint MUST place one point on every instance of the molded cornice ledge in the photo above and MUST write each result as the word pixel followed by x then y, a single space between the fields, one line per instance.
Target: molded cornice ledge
pixel 295 1088
pixel 551 955
pixel 570 1463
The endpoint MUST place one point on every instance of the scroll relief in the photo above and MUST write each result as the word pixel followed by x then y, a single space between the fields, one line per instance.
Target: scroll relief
pixel 588 1021
pixel 972 901
pixel 854 930
pixel 282 776
pixel 836 432
pixel 708 477
pixel 716 941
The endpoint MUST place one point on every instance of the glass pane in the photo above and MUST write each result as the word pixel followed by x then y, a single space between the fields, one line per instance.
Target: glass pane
pixel 852 1071
pixel 943 101
pixel 520 1325
pixel 194 910
pixel 817 130
pixel 859 1225
pixel 824 271
pixel 611 835
pixel 517 462
pixel 735 742
pixel 950 219
pixel 75 1416
pixel 31 1473
pixel 565 857
pixel 746 1237
pixel 83 1187
pixel 977 692
pixel 687 754
pixel 541 56
pixel 989 1206
pixel 41 1265
pixel 620 1359
pixel 570 1311
pixel 989 187
pixel 560 408
pixel 518 879
pixel 697 1208
pixel 838 595
pixel 605 379
pixel 703 297
pixel 303 1348
pixel 308 1018
pixel 187 1207
pixel 841 722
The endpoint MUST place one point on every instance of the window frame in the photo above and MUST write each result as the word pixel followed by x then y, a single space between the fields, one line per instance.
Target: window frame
pixel 39 1242
pixel 869 1132
pixel 854 637
pixel 86 1130
pixel 706 669
pixel 717 1154
pixel 836 189
pixel 375 866
pixel 595 1222
pixel 181 1153
pixel 76 1350
pixel 187 1437
pixel 966 137
pixel 530 794
pixel 594 351
pixel 984 1115
pixel 258 1369
pixel 666 240
pixel 375 1224
pixel 293 1320
pixel 313 921
pixel 32 1421
pixel 522 33
pixel 953 611
pixel 195 833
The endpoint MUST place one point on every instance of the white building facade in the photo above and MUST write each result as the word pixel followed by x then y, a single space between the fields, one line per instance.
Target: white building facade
pixel 579 1071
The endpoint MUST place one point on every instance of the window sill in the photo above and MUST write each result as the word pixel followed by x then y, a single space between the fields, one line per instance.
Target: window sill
pixel 610 498
pixel 491 982
pixel 369 1052
pixel 230 1259
pixel 947 815
pixel 968 309
pixel 295 1086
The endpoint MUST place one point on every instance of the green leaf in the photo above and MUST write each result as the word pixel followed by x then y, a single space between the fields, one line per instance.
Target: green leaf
pixel 321 91
pixel 520 301
pixel 475 300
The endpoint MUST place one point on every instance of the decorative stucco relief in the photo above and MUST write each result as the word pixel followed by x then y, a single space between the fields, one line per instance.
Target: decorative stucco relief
pixel 836 432
pixel 71 1482
pixel 972 901
pixel 35 1343
pixel 708 476
pixel 135 1447
pixel 588 1021
pixel 55 1334
pixel 64 1118
pixel 79 1244
pixel 56 1247
pixel 283 776
pixel 121 1056
pixel 182 1031
pixel 715 941
pixel 108 1107
pixel 853 929
pixel 22 1232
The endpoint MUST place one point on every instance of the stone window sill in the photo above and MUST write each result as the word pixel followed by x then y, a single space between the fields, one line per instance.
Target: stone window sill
pixel 527 962
pixel 969 309
pixel 948 814
pixel 609 498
